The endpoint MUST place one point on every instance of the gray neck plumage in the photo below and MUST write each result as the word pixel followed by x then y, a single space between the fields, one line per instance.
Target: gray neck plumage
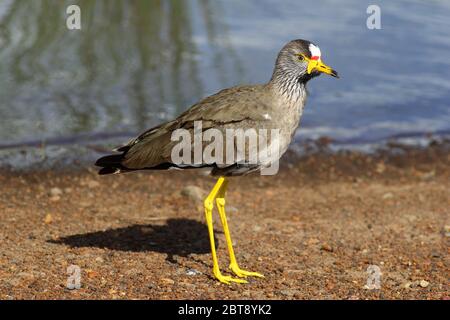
pixel 289 85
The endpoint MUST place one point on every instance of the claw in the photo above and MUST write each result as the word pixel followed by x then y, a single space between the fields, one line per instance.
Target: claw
pixel 227 279
pixel 244 273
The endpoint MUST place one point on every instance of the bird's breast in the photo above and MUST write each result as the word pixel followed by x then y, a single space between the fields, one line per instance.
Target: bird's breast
pixel 289 112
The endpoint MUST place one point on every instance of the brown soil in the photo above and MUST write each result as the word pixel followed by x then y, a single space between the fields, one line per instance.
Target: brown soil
pixel 313 230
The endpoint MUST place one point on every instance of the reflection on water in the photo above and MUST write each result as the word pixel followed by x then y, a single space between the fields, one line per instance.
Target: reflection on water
pixel 133 64
pixel 136 63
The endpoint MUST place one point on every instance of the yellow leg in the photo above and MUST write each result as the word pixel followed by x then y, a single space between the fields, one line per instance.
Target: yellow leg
pixel 220 200
pixel 209 204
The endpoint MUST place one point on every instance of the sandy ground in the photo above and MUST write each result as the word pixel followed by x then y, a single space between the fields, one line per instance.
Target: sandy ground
pixel 313 231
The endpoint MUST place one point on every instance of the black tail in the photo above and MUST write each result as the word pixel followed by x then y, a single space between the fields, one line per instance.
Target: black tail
pixel 111 164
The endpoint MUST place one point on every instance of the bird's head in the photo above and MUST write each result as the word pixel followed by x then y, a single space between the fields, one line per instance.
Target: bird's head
pixel 301 59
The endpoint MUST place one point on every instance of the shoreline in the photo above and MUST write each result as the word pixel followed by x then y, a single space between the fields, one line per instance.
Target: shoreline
pixel 43 157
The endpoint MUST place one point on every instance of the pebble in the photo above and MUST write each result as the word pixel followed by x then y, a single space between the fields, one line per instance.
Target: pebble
pixel 55 198
pixel 288 292
pixel 48 219
pixel 84 204
pixel 232 209
pixel 256 228
pixel 428 175
pixel 246 293
pixel 407 285
pixel 388 195
pixel 312 241
pixel 447 231
pixel 26 275
pixel 92 274
pixel 192 272
pixel 55 192
pixel 423 283
pixel 327 247
pixel 270 193
pixel 380 168
pixel 435 254
pixel 92 184
pixel 112 291
pixel 193 192
pixel 167 281
pixel 188 285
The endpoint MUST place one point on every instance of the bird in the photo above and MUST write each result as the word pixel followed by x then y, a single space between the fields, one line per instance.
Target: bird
pixel 276 105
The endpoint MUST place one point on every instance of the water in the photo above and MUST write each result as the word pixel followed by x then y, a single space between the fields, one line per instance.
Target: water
pixel 137 63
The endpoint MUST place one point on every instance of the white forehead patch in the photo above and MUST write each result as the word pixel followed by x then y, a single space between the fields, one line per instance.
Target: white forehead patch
pixel 315 51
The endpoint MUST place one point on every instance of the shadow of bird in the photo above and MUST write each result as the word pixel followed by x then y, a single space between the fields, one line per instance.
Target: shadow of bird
pixel 177 237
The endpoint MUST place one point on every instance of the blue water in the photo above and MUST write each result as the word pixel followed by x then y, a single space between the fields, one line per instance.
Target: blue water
pixel 137 63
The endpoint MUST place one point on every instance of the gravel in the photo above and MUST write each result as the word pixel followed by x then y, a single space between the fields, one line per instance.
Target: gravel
pixel 305 229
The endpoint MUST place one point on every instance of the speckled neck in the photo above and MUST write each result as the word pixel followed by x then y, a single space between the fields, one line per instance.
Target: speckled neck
pixel 288 86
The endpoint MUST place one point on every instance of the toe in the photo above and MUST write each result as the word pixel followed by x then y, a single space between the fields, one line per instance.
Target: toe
pixel 228 279
pixel 253 274
pixel 244 273
pixel 236 280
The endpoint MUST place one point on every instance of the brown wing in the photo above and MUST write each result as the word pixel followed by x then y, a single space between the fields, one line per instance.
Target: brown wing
pixel 154 146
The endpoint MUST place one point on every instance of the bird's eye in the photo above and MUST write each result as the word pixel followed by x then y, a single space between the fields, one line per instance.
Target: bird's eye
pixel 300 57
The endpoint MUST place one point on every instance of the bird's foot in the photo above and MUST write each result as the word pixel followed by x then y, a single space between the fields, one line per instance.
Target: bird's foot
pixel 244 273
pixel 227 279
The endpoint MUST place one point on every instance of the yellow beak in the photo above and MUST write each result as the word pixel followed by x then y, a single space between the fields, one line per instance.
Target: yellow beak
pixel 318 65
